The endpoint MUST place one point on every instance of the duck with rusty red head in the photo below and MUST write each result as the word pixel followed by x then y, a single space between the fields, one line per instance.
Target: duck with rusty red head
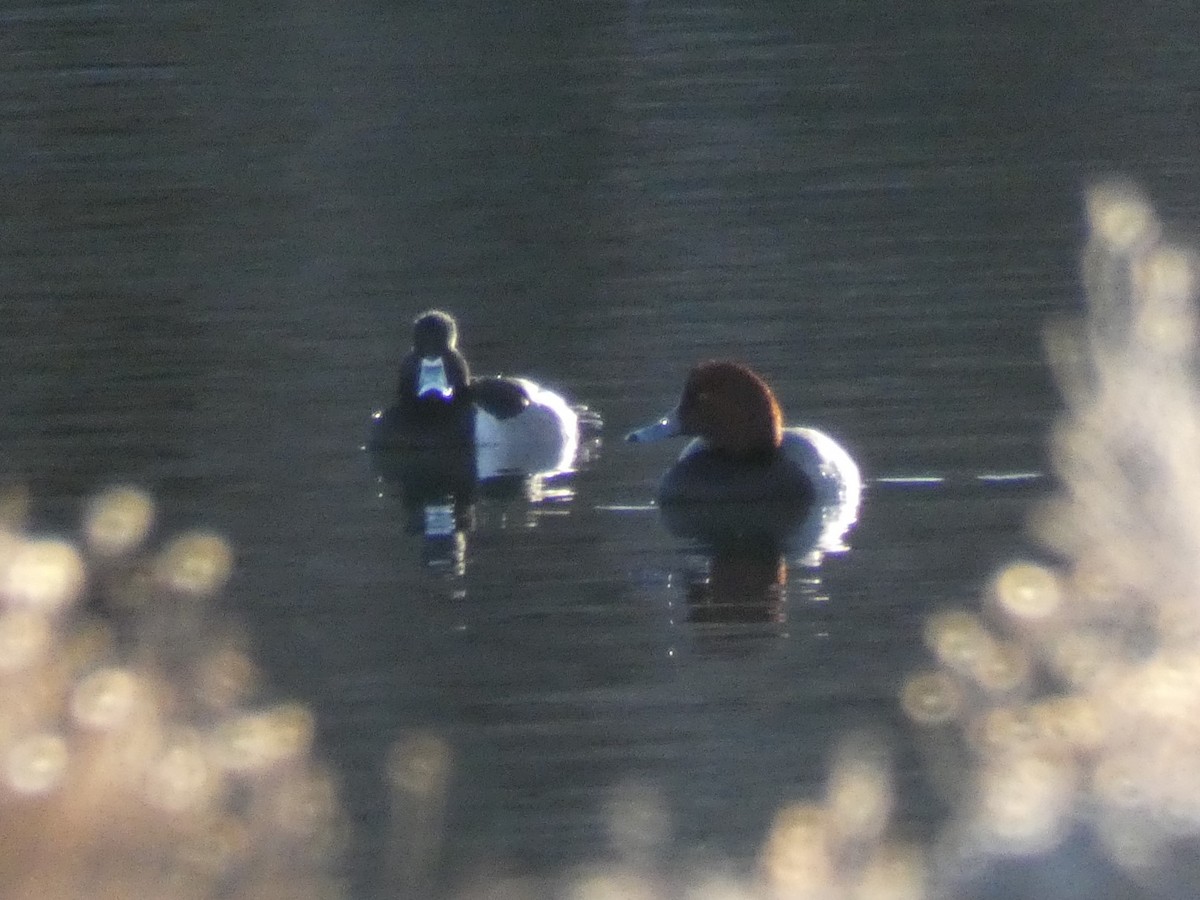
pixel 741 451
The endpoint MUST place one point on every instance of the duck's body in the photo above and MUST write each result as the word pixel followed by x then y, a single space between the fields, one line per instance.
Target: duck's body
pixel 740 450
pixel 542 437
pixel 807 467
pixel 511 425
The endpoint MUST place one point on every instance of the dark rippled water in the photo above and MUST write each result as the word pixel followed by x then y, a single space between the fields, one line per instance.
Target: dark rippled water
pixel 219 219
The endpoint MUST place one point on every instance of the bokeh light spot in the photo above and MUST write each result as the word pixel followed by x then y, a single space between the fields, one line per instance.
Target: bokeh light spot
pixel 1024 803
pixel 257 741
pixel 181 779
pixel 419 764
pixel 46 575
pixel 1120 217
pixel 795 858
pixel 25 637
pixel 36 764
pixel 958 639
pixel 117 521
pixel 105 699
pixel 931 698
pixel 196 563
pixel 1028 591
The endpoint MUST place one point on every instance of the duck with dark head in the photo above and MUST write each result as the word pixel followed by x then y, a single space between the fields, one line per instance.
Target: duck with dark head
pixel 434 369
pixel 510 425
pixel 433 390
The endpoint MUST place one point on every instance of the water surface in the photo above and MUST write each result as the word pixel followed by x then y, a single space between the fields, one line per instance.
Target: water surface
pixel 223 216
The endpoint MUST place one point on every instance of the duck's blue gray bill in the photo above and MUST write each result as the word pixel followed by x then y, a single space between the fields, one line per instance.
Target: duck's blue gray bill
pixel 667 426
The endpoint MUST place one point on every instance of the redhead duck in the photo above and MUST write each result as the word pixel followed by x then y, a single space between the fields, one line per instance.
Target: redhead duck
pixel 510 425
pixel 741 452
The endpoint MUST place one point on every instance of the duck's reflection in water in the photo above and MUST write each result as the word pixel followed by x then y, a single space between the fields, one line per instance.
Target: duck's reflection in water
pixel 747 551
pixel 447 494
pixel 437 490
pixel 737 584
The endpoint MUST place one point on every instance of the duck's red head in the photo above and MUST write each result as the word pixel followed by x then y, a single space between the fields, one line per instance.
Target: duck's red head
pixel 732 408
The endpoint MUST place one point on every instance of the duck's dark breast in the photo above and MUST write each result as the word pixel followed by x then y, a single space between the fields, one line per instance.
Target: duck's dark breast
pixel 423 424
pixel 706 476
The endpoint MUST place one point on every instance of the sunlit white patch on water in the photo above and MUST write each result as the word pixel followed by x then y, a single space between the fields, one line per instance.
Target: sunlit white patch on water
pixel 1009 477
pixel 1017 477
